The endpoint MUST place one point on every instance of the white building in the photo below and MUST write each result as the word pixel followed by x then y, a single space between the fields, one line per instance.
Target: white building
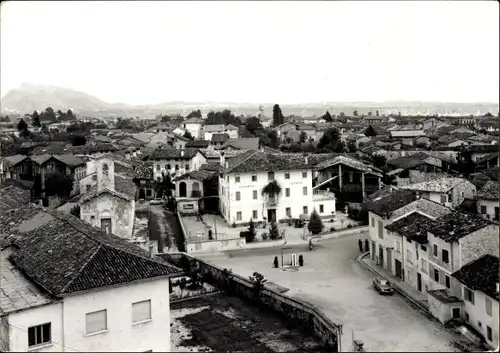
pixel 488 201
pixel 175 161
pixel 110 202
pixel 194 126
pixel 245 176
pixel 478 288
pixel 232 131
pixel 93 292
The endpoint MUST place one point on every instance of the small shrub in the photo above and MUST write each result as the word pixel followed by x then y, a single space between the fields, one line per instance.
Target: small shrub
pixel 273 232
pixel 315 225
pixel 332 229
pixel 349 226
pixel 234 225
pixel 251 232
pixel 264 236
pixel 299 223
pixel 276 263
pixel 301 260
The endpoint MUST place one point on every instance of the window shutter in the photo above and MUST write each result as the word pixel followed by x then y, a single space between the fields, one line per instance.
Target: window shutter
pixel 96 321
pixel 141 311
pixel 431 270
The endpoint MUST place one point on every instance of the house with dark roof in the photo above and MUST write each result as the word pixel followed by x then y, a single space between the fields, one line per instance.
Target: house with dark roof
pixel 479 291
pixel 488 198
pixel 194 126
pixel 69 286
pixel 210 129
pixel 144 181
pixel 263 186
pixel 198 143
pixel 175 161
pixel 219 139
pixel 197 190
pixel 232 131
pixel 456 239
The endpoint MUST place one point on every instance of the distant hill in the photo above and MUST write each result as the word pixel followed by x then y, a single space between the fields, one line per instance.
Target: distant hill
pixel 31 97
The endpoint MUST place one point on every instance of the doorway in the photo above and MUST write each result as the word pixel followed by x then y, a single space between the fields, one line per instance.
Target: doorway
pixel 419 282
pixel 381 256
pixel 106 225
pixel 182 189
pixel 455 312
pixel 142 194
pixel 271 215
pixel 389 260
pixel 399 268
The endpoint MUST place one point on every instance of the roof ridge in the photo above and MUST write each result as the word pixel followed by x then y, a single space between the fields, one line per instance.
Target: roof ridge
pixel 82 268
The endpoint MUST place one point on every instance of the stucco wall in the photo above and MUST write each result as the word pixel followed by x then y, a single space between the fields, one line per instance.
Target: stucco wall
pixel 479 243
pixel 215 245
pixel 477 314
pixel 106 205
pixel 4 334
pixel 442 311
pixel 490 208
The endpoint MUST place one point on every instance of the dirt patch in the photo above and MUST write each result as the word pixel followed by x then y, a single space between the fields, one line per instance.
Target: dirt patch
pixel 230 324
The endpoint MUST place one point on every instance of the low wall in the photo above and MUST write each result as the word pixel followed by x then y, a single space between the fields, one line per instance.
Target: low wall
pixel 295 310
pixel 343 232
pixel 215 245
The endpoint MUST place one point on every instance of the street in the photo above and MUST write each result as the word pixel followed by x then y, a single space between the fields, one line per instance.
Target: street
pixel 332 280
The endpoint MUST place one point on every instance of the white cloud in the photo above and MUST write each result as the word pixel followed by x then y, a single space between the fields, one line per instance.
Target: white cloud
pixel 285 52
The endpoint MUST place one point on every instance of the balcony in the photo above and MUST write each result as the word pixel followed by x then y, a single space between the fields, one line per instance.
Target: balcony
pixel 271 201
pixel 319 195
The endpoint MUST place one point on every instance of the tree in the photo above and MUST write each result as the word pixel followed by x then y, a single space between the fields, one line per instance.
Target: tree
pixel 165 186
pixel 182 284
pixel 251 234
pixel 380 161
pixel 278 117
pixel 44 129
pixel 272 189
pixel 227 275
pixel 328 118
pixel 351 147
pixel 330 141
pixel 78 140
pixel 370 131
pixel 71 115
pixel 258 282
pixel 302 137
pixel 59 184
pixel 273 139
pixel 188 135
pixel 355 113
pixel 49 114
pixel 35 119
pixel 315 225
pixel 273 231
pixel 253 125
pixel 194 114
pixel 22 126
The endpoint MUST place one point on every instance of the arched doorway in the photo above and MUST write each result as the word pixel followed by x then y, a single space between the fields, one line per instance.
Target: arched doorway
pixel 182 189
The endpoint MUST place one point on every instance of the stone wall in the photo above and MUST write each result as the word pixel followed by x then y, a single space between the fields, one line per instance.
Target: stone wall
pixel 297 311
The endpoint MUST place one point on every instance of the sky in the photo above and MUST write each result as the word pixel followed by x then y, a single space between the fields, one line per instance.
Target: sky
pixel 256 51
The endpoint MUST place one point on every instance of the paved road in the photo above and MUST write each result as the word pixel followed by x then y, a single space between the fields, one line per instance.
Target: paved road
pixel 333 280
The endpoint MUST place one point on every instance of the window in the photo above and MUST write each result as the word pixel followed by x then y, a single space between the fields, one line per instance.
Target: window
pixel 423 247
pixel 497 213
pixel 398 246
pixel 168 167
pixel 466 317
pixel 239 216
pixel 254 214
pixel 436 275
pixel 423 265
pixel 488 305
pixel 96 321
pixel 304 175
pixel 89 186
pixel 270 176
pixel 287 192
pixel 287 175
pixel 254 194
pixel 254 177
pixel 39 335
pixel 238 196
pixel 373 222
pixel 483 209
pixel 408 240
pixel 489 333
pixel 223 191
pixel 450 198
pixel 321 209
pixel 408 255
pixel 468 295
pixel 157 167
pixel 445 256
pixel 380 230
pixel 443 199
pixel 305 210
pixel 447 281
pixel 435 250
pixel 304 190
pixel 236 179
pixel 187 166
pixel 141 311
pixel 288 212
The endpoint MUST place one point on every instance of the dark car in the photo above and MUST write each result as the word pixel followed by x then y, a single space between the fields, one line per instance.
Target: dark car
pixel 382 285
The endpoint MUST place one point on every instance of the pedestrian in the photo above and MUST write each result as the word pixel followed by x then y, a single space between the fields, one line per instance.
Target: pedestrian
pixel 367 245
pixel 360 244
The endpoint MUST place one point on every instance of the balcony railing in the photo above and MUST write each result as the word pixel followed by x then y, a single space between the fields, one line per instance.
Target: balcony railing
pixel 323 195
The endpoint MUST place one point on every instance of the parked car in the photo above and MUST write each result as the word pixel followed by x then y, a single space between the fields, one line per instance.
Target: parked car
pixel 382 286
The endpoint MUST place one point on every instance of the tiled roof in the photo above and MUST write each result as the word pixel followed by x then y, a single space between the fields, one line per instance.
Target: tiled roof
pixel 125 186
pixel 437 185
pixel 350 162
pixel 456 225
pixel 170 153
pixel 244 143
pixel 414 227
pixel 213 128
pixel 219 137
pixel 67 255
pixel 212 167
pixel 70 160
pixel 193 121
pixel 409 161
pixel 199 175
pixel 386 189
pixel 386 204
pixel 99 147
pixel 253 161
pixel 231 127
pixel 488 157
pixel 481 274
pixel 489 191
pixel 41 158
pixel 372 149
pixel 198 144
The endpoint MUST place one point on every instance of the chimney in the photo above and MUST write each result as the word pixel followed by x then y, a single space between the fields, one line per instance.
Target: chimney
pixel 222 159
pixel 182 152
pixel 498 288
pixel 153 248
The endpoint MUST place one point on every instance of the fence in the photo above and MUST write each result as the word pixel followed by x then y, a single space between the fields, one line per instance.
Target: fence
pixel 295 310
